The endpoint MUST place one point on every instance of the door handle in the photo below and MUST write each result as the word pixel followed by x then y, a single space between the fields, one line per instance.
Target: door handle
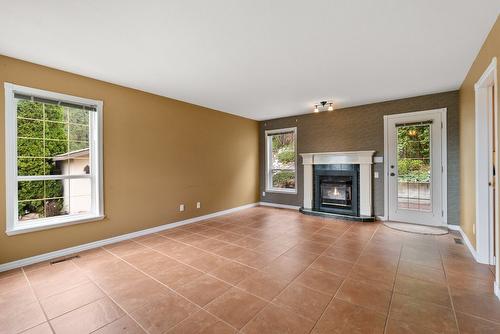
pixel 392 174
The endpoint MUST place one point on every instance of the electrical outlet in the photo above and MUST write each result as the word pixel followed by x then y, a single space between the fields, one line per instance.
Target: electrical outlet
pixel 198 205
pixel 263 194
pixel 181 207
pixel 375 175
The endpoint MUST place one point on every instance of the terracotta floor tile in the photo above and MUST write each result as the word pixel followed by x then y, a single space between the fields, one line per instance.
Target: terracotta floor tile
pixel 387 263
pixel 153 241
pixel 371 275
pixel 287 268
pixel 423 290
pixel 247 242
pixel 87 318
pixel 413 311
pixel 398 327
pixel 275 319
pixel 334 266
pixel 321 281
pixel 303 300
pixel 343 317
pixel 368 296
pixel 209 262
pixel 477 302
pixel 138 294
pixel 11 272
pixel 292 262
pixel 264 285
pixel 469 324
pixel 16 318
pixel 311 247
pixel 255 259
pixel 470 268
pixel 343 253
pixel 229 237
pixel 236 307
pixel 72 299
pixel 39 329
pixel 13 282
pixel 164 312
pixel 124 325
pixel 174 276
pixel 202 322
pixel 124 248
pixel 461 281
pixel 420 272
pixel 233 272
pixel 54 279
pixel 203 289
pixel 231 251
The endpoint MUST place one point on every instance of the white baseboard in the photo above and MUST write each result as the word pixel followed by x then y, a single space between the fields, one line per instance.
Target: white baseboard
pixel 496 289
pixel 466 240
pixel 381 218
pixel 281 206
pixel 100 243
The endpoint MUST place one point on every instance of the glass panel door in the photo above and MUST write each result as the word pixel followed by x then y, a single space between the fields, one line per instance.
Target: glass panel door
pixel 414 167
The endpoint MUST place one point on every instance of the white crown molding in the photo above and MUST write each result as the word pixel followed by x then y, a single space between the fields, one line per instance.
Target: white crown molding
pixel 104 242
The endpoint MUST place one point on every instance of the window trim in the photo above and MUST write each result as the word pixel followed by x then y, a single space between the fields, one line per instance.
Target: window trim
pixel 11 177
pixel 268 151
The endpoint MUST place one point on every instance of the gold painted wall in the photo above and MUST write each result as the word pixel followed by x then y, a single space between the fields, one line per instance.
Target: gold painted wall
pixel 490 49
pixel 158 153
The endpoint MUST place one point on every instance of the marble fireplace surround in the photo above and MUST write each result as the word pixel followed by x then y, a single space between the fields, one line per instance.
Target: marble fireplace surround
pixel 362 158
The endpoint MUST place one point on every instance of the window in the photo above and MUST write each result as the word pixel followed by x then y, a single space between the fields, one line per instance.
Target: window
pixel 281 160
pixel 53 159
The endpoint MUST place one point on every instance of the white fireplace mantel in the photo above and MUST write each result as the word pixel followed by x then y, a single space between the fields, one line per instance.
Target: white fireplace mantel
pixel 362 158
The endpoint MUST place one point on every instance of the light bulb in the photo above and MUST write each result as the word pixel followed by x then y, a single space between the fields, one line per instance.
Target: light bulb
pixel 330 107
pixel 316 108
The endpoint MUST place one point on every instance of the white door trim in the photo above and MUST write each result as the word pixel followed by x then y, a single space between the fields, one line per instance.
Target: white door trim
pixel 444 160
pixel 484 206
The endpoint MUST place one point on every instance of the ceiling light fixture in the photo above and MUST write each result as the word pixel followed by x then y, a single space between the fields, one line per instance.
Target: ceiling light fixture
pixel 322 106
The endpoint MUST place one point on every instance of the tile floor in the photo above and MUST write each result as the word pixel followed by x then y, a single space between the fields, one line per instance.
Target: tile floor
pixel 261 270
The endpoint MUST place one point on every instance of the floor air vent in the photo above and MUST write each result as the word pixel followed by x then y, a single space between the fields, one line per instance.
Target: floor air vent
pixel 458 241
pixel 65 259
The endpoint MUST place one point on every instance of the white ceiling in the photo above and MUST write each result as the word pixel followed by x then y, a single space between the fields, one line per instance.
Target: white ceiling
pixel 260 59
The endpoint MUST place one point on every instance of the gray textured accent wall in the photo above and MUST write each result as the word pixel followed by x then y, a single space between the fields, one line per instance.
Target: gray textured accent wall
pixel 362 128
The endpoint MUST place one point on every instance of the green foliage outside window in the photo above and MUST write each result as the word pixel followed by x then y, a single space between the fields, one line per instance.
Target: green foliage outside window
pixel 283 153
pixel 414 153
pixel 45 131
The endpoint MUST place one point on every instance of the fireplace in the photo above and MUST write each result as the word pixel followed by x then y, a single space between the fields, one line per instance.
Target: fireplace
pixel 336 189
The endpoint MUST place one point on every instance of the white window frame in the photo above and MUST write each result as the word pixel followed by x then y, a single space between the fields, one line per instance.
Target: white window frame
pixel 96 163
pixel 268 143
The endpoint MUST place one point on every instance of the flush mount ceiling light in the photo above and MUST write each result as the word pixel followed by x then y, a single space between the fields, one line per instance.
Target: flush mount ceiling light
pixel 322 106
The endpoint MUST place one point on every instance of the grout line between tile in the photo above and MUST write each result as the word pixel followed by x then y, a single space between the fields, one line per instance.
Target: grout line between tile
pixel 39 303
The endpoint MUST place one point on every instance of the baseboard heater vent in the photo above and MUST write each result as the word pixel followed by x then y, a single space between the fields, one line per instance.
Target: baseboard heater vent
pixel 65 259
pixel 458 241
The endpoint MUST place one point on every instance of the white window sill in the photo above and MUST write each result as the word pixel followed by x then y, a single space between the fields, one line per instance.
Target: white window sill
pixel 48 223
pixel 282 191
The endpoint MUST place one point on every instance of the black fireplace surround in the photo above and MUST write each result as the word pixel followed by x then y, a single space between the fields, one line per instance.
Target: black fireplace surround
pixel 336 189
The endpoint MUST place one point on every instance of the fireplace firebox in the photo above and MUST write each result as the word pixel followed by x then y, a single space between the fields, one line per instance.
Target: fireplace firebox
pixel 336 189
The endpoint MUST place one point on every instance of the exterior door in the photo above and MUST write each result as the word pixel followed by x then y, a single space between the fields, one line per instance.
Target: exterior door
pixel 415 144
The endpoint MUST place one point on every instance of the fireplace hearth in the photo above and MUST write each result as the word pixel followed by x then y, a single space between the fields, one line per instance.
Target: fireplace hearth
pixel 336 189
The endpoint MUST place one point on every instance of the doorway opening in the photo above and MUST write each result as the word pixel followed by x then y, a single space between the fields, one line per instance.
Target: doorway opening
pixel 486 118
